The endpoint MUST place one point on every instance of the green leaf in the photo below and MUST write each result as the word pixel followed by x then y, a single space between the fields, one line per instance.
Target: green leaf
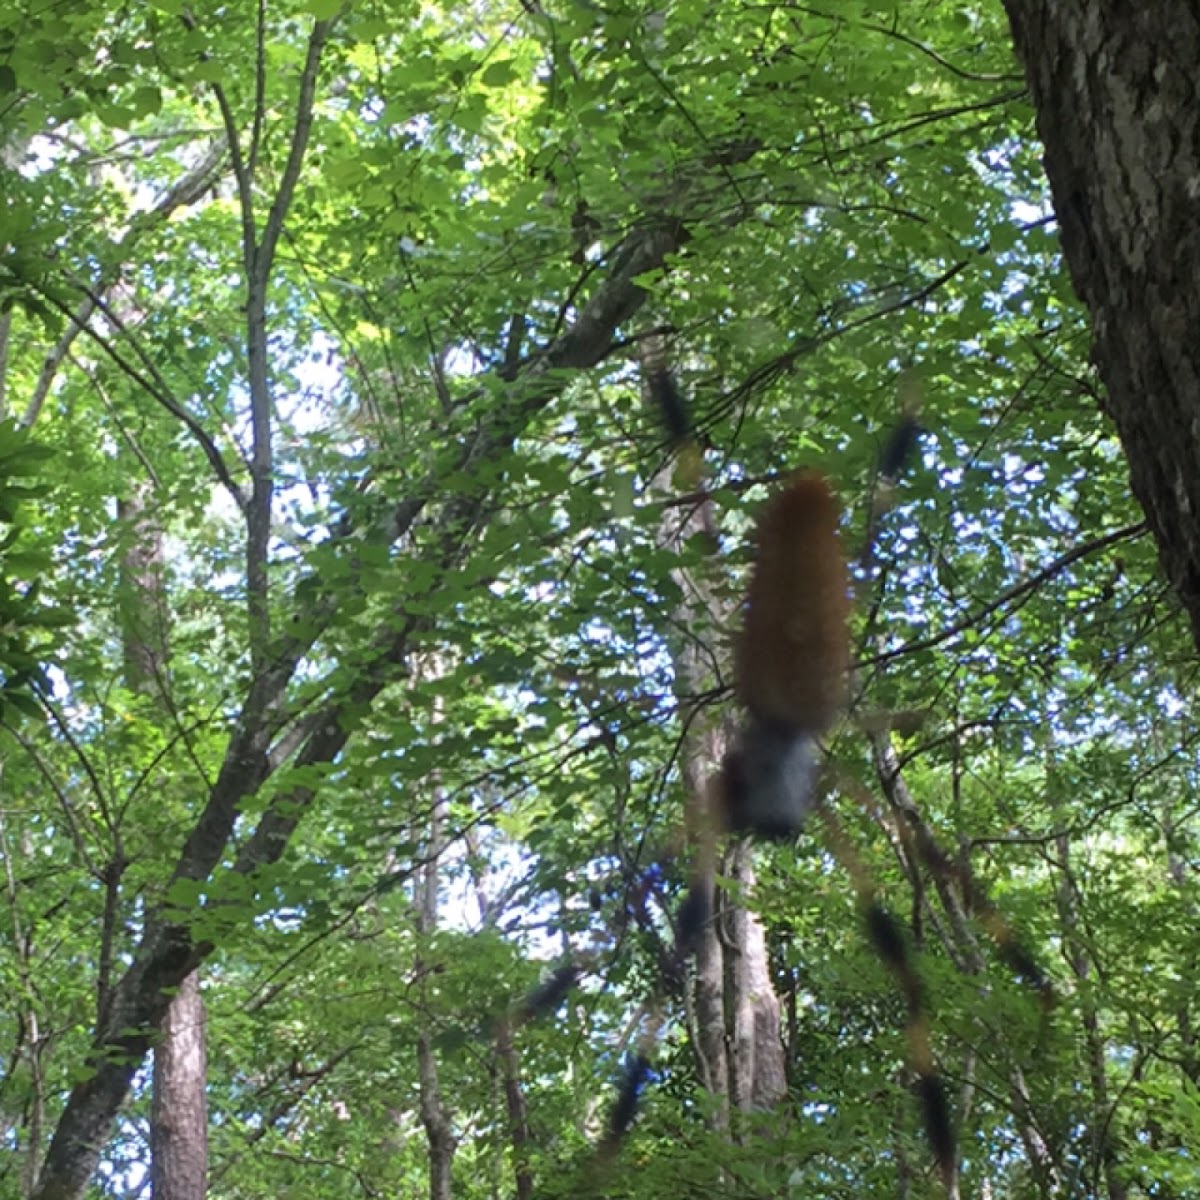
pixel 498 73
pixel 146 101
pixel 116 116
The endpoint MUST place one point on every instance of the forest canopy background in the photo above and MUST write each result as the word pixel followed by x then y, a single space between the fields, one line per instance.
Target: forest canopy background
pixel 362 658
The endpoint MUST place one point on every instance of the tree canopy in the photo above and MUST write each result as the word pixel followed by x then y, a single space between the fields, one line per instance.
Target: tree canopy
pixel 357 628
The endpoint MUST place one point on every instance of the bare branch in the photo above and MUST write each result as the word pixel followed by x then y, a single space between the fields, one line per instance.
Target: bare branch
pixel 259 264
pixel 151 386
pixel 265 254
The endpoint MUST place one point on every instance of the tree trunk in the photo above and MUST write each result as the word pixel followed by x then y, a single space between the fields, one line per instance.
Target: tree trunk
pixel 518 1113
pixel 178 1109
pixel 509 1060
pixel 178 1113
pixel 708 996
pixel 434 1117
pixel 26 1003
pixel 1114 85
pixel 1102 1120
pixel 167 950
pixel 758 1074
pixel 738 1041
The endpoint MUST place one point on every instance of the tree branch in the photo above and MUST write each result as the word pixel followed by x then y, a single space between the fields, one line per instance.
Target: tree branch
pixel 187 190
pixel 260 261
pixel 168 951
pixel 1006 597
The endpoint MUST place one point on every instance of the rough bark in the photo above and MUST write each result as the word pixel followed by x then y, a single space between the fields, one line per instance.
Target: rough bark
pixel 1105 1152
pixel 701 752
pixel 1118 111
pixel 758 1072
pixel 438 1131
pixel 144 619
pixel 179 1108
pixel 518 1113
pixel 27 1004
pixel 1178 873
pixel 507 1056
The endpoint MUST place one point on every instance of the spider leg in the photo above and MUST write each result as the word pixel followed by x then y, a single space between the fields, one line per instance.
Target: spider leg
pixel 1008 944
pixel 892 947
pixel 921 845
pixel 635 1076
pixel 691 919
pixel 550 993
pixel 792 668
pixel 628 1100
pixel 636 1070
pixel 890 944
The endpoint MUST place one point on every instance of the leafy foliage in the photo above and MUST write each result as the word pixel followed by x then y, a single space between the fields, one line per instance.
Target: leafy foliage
pixel 25 621
pixel 391 272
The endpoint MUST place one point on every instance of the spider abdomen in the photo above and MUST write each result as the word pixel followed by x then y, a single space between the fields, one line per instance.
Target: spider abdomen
pixel 794 650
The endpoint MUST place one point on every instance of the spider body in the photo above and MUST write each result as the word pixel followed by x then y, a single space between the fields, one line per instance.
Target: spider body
pixel 768 780
pixel 794 650
pixel 791 664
